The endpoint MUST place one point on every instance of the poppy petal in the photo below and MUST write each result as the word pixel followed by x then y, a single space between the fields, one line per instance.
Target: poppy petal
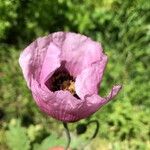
pixel 87 83
pixel 95 102
pixel 39 60
pixel 80 52
pixel 60 105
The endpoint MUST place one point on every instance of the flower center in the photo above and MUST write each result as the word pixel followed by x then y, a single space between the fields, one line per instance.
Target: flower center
pixel 68 85
pixel 63 81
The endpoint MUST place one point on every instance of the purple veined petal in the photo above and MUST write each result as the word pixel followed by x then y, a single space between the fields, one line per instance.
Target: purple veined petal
pixel 51 62
pixel 25 61
pixel 63 106
pixel 39 60
pixel 60 105
pixel 115 90
pixel 79 52
pixel 58 38
pixel 87 83
pixel 41 91
pixel 95 102
pixel 32 57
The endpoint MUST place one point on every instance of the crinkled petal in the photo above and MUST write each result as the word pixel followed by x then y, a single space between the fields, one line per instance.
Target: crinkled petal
pixel 39 60
pixel 88 81
pixel 115 90
pixel 26 60
pixel 79 52
pixel 32 57
pixel 95 102
pixel 63 106
pixel 60 105
pixel 51 62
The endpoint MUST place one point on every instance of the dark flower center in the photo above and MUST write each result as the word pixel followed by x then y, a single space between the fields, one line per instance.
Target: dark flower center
pixel 62 80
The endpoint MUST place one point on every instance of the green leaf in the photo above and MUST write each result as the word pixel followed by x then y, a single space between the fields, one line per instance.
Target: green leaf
pixel 48 142
pixel 17 138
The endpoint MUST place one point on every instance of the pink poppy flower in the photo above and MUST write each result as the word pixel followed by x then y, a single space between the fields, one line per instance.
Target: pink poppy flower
pixel 63 71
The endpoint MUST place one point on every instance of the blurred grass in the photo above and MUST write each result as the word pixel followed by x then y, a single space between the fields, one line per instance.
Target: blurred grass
pixel 124 31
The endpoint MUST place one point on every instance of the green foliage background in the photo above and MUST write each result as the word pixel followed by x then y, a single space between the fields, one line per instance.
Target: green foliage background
pixel 122 26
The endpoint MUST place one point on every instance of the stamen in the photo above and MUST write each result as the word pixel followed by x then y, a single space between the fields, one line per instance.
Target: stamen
pixel 68 85
pixel 63 81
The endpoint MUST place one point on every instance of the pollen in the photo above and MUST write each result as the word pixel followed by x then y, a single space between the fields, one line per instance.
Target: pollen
pixel 68 85
pixel 63 81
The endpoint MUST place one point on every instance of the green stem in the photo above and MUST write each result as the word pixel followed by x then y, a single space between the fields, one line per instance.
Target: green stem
pixel 68 135
pixel 97 127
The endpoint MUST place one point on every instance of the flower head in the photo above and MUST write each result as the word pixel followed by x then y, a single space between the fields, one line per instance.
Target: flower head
pixel 63 71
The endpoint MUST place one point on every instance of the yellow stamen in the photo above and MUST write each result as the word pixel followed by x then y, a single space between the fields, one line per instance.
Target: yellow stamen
pixel 68 85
